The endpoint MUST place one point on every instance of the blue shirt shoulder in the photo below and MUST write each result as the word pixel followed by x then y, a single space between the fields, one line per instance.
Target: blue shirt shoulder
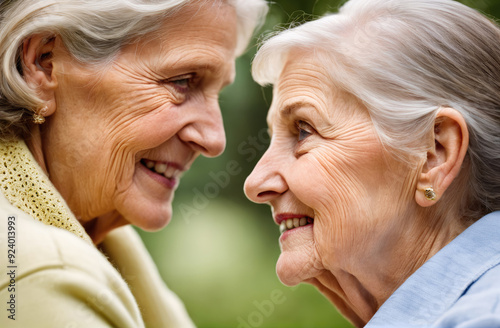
pixel 478 307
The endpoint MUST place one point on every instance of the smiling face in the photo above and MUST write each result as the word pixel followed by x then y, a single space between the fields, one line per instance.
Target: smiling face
pixel 333 188
pixel 121 136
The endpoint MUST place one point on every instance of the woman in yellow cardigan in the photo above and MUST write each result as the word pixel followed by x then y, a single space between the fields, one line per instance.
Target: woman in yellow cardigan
pixel 103 106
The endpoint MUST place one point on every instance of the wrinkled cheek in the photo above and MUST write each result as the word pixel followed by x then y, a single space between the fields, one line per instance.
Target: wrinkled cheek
pixel 142 124
pixel 313 184
pixel 344 233
pixel 337 222
pixel 122 175
pixel 122 167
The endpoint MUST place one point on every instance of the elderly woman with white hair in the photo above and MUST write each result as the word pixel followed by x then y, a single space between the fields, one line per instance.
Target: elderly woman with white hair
pixel 103 105
pixel 383 171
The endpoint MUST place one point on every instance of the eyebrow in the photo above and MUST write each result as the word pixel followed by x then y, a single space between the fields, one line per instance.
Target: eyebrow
pixel 288 109
pixel 192 64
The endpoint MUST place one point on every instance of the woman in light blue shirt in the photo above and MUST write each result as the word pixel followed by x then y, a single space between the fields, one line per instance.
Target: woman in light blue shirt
pixel 383 171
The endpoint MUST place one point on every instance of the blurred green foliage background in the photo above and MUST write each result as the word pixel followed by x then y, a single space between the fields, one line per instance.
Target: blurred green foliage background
pixel 219 252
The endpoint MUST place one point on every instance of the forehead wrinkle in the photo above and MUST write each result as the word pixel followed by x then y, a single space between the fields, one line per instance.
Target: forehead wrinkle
pixel 171 38
pixel 197 19
pixel 302 83
pixel 309 85
pixel 304 68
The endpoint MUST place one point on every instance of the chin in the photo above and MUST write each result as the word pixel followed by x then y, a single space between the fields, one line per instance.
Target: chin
pixel 288 272
pixel 154 225
pixel 295 267
pixel 150 218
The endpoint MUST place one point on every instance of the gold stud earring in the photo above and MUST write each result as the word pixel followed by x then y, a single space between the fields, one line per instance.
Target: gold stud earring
pixel 39 117
pixel 429 193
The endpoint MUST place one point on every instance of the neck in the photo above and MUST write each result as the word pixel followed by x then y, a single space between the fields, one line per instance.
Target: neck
pixel 34 143
pixel 360 287
pixel 96 228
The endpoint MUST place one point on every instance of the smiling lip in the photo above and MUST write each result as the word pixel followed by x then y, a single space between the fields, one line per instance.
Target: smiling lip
pixel 289 222
pixel 171 175
pixel 285 216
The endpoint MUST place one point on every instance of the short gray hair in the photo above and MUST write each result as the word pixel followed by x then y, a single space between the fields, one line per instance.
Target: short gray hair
pixel 404 60
pixel 94 31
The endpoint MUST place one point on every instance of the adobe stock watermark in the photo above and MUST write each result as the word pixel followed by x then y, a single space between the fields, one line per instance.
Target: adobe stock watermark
pixel 249 149
pixel 263 309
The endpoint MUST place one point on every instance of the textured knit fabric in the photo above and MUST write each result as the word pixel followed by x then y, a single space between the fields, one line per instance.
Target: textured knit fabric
pixel 57 277
pixel 29 189
pixel 457 287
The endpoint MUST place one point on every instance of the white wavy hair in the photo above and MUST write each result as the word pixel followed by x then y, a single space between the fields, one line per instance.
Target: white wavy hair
pixel 404 60
pixel 94 31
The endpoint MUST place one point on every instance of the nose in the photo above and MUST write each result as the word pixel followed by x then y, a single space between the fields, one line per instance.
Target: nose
pixel 205 131
pixel 266 182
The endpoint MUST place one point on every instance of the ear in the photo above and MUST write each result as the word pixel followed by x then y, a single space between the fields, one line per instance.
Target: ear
pixel 445 158
pixel 37 57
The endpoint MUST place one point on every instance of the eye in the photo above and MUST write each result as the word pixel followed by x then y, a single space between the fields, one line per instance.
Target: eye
pixel 304 130
pixel 182 83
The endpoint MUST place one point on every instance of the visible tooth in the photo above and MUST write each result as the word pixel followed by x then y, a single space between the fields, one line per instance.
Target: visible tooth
pixel 289 224
pixel 282 227
pixel 303 222
pixel 150 164
pixel 160 168
pixel 170 172
pixel 296 222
